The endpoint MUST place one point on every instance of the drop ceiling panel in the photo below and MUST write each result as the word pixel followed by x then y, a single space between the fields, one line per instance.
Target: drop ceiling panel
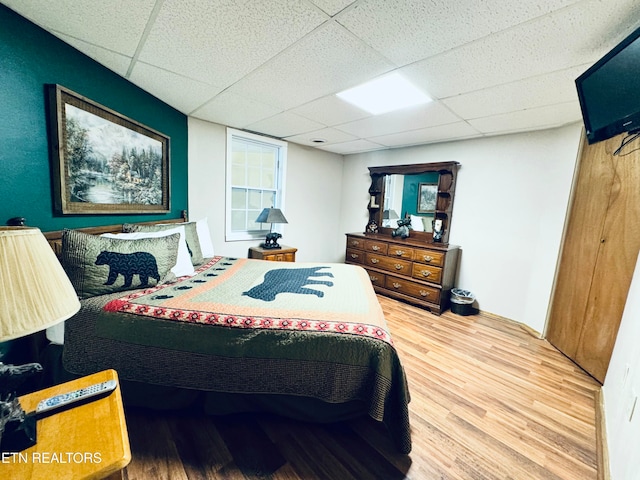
pixel 113 25
pixel 541 46
pixel 354 146
pixel 330 110
pixel 329 135
pixel 549 89
pixel 457 130
pixel 285 125
pixel 409 30
pixel 219 41
pixel 326 61
pixel 406 119
pixel 331 7
pixel 171 87
pixel 531 119
pixel 112 60
pixel 234 110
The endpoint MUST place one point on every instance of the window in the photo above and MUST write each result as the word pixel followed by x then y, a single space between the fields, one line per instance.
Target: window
pixel 255 180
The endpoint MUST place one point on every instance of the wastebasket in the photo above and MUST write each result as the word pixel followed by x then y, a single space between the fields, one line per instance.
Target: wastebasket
pixel 462 301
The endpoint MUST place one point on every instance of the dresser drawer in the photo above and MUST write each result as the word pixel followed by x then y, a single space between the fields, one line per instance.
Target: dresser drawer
pixel 355 243
pixel 427 273
pixel 400 251
pixel 395 265
pixel 376 247
pixel 413 289
pixel 430 257
pixel 377 279
pixel 354 256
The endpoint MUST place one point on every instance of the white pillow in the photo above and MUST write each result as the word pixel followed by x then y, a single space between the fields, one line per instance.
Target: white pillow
pixel 416 223
pixel 183 264
pixel 204 237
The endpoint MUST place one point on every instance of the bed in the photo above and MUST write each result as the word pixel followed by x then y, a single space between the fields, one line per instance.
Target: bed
pixel 305 340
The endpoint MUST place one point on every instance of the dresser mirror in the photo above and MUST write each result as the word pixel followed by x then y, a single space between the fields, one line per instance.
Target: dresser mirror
pixel 423 191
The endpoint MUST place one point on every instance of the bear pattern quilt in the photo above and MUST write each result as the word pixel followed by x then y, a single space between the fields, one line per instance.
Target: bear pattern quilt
pixel 251 326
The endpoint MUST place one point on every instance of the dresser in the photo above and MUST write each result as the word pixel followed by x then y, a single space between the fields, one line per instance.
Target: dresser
pixel 407 269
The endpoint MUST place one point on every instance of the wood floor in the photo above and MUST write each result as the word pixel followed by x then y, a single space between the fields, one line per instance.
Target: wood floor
pixel 488 401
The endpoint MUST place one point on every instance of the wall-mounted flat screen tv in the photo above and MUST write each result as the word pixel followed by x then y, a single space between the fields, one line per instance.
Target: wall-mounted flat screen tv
pixel 609 92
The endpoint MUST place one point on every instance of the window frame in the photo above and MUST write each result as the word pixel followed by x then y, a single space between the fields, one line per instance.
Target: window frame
pixel 280 175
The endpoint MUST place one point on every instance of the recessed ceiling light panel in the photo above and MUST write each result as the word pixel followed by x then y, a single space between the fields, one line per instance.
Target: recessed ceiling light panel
pixel 385 94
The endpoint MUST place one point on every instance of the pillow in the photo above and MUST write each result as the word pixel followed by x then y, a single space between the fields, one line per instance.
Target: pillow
pixel 98 265
pixel 183 266
pixel 204 236
pixel 191 236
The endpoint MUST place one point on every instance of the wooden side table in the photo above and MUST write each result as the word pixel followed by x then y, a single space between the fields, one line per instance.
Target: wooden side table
pixel 89 441
pixel 283 254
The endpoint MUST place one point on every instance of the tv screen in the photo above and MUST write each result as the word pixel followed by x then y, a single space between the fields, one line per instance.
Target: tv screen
pixel 609 92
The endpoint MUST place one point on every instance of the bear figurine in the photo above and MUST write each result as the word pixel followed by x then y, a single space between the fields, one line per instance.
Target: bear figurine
pixel 403 228
pixel 129 264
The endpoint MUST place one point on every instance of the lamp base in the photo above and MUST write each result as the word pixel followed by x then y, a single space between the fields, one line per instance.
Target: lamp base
pixel 19 435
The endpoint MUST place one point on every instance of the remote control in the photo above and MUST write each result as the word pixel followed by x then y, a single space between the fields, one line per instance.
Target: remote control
pixel 66 400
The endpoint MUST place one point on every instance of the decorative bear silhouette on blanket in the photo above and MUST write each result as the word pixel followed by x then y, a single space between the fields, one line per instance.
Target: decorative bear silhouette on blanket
pixel 289 280
pixel 129 264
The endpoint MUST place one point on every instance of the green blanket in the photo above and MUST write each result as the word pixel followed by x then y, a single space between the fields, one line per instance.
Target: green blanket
pixel 251 327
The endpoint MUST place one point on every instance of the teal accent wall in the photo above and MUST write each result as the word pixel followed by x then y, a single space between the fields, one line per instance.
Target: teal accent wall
pixel 410 191
pixel 31 58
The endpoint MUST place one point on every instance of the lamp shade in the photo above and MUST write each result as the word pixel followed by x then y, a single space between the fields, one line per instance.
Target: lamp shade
pixel 271 215
pixel 35 292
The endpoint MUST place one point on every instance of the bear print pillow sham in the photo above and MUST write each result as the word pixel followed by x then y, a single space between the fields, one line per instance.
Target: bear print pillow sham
pixel 98 265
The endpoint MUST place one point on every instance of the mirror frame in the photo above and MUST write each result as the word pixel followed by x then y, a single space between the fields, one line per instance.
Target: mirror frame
pixel 444 206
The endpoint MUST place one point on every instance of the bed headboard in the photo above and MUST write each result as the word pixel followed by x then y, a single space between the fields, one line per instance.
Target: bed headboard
pixel 55 237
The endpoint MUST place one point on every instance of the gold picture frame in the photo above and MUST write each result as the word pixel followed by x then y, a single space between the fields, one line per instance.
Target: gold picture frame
pixel 104 162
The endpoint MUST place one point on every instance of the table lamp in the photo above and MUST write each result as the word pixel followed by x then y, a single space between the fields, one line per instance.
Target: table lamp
pixel 35 293
pixel 271 215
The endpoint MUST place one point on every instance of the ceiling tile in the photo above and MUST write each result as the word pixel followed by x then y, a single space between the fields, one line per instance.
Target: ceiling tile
pixel 548 89
pixel 285 125
pixel 329 135
pixel 551 43
pixel 331 7
pixel 234 110
pixel 112 60
pixel 325 62
pixel 409 30
pixel 330 110
pixel 531 119
pixel 354 146
pixel 171 87
pixel 219 41
pixel 412 118
pixel 456 130
pixel 85 20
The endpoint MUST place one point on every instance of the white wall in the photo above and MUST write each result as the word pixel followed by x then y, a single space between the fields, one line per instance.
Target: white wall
pixel 621 388
pixel 508 216
pixel 312 199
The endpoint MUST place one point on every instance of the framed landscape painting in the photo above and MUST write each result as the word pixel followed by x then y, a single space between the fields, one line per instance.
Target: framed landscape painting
pixel 104 162
pixel 427 196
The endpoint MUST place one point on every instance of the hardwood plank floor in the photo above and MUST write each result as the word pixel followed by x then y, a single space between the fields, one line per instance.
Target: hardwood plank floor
pixel 488 401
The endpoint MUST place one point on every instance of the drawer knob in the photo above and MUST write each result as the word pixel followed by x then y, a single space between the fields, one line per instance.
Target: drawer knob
pixel 355 243
pixel 396 285
pixel 424 293
pixel 373 279
pixel 374 260
pixel 375 248
pixel 400 252
pixel 425 273
pixel 427 258
pixel 354 255
pixel 398 266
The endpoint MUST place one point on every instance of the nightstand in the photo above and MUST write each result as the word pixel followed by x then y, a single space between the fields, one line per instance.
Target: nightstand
pixel 283 254
pixel 89 441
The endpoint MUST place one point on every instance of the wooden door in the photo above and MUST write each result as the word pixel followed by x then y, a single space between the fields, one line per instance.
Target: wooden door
pixel 599 255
